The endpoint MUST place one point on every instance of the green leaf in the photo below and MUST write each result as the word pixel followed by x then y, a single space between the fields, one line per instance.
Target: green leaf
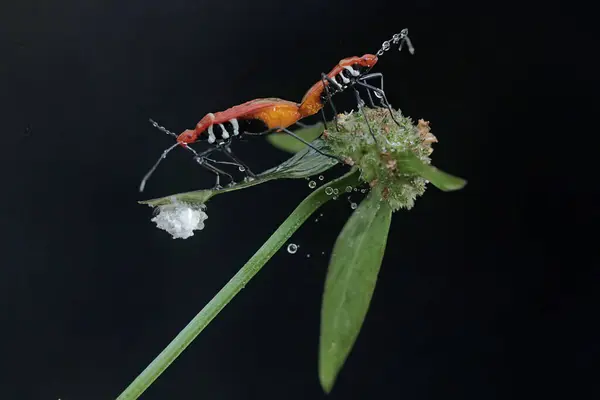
pixel 437 177
pixel 290 144
pixel 351 278
pixel 304 210
pixel 303 164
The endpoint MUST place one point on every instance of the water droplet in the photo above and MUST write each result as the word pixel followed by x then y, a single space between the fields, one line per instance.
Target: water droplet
pixel 308 256
pixel 322 253
pixel 363 190
pixel 328 191
pixel 334 197
pixel 353 206
pixel 348 189
pixel 320 215
pixel 316 219
pixel 356 189
pixel 335 191
pixel 292 248
pixel 321 177
pixel 312 184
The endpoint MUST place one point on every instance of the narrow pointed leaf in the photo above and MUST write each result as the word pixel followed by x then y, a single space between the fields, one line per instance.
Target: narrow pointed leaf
pixel 290 144
pixel 350 282
pixel 305 163
pixel 437 177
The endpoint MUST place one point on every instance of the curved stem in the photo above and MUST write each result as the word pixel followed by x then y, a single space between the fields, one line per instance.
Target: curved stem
pixel 302 212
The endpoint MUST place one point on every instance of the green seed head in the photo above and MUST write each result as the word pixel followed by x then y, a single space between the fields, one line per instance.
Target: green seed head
pixel 381 161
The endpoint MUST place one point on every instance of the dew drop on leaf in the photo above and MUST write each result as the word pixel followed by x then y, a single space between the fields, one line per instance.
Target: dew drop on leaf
pixel 312 184
pixel 335 191
pixel 353 206
pixel 348 189
pixel 292 248
pixel 328 191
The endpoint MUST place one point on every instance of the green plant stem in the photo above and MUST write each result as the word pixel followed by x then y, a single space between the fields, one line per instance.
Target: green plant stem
pixel 304 210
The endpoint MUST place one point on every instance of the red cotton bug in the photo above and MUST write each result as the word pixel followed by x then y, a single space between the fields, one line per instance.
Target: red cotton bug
pixel 349 73
pixel 274 114
pixel 278 114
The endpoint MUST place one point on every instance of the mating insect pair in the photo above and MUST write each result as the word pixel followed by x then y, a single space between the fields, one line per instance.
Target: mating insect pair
pixel 277 115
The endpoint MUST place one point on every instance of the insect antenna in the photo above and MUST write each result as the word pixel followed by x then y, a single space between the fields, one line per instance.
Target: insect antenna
pixel 405 39
pixel 161 128
pixel 151 171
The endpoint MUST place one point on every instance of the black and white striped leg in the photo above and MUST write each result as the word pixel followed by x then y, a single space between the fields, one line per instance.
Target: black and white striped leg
pixel 360 103
pixel 328 93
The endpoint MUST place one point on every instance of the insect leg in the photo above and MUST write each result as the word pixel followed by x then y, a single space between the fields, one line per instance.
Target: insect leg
pixel 292 134
pixel 385 102
pixel 328 93
pixel 268 131
pixel 371 99
pixel 200 158
pixel 205 164
pixel 379 75
pixel 360 103
pixel 324 118
pixel 227 151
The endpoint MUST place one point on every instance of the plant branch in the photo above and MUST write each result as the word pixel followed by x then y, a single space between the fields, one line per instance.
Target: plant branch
pixel 302 212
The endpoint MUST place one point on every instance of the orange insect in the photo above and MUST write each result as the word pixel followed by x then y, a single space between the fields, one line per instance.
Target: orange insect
pixel 349 73
pixel 278 114
pixel 274 114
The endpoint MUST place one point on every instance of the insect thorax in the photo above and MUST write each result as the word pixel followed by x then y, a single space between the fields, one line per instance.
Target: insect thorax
pixel 343 80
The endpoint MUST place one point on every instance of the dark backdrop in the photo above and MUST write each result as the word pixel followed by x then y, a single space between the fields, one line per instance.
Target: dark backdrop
pixel 486 293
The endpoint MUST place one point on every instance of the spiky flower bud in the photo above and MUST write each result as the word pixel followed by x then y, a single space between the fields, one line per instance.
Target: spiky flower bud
pixel 383 162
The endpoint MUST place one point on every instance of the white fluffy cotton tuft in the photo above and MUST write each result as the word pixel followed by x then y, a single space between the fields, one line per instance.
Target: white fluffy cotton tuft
pixel 180 220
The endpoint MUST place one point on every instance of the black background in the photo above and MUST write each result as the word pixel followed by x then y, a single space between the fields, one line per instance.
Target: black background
pixel 486 293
